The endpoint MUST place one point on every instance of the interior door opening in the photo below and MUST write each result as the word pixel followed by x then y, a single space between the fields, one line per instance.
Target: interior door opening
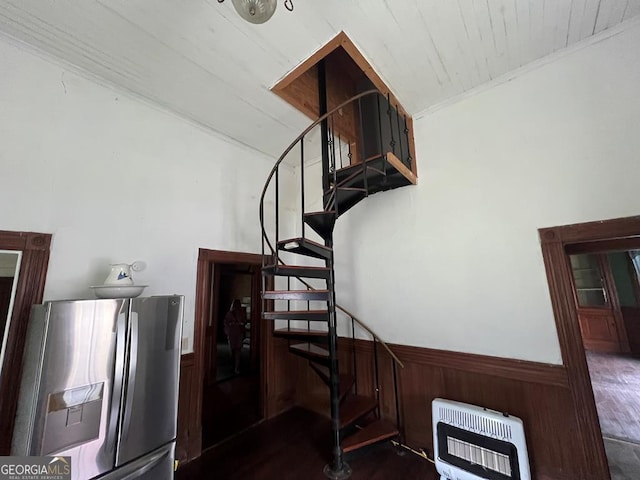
pixel 231 392
pixel 588 285
pixel 606 290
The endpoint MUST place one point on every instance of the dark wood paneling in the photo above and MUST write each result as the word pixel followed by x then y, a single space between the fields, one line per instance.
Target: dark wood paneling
pixel 282 370
pixel 509 368
pixel 536 392
pixel 186 442
pixel 31 280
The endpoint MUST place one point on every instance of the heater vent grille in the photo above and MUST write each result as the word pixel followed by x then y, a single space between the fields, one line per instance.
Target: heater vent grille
pixel 475 423
pixel 476 443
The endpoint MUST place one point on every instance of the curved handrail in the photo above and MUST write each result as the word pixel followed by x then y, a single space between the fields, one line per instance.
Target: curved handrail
pixel 290 147
pixel 361 323
pixel 373 334
pixel 264 192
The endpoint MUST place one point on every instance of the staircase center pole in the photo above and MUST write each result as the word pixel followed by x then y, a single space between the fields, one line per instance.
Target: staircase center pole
pixel 338 469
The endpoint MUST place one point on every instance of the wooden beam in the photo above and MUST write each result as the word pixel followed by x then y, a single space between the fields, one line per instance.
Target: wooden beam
pixel 398 165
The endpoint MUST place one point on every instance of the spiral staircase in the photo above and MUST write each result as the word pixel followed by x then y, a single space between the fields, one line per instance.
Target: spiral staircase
pixel 302 301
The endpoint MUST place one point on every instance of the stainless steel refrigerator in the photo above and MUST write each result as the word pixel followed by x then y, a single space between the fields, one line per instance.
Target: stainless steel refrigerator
pixel 100 384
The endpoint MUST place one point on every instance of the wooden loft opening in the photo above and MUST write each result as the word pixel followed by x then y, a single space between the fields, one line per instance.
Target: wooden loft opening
pixel 344 72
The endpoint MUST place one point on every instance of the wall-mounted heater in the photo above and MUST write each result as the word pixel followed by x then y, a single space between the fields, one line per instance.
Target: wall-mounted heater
pixel 475 443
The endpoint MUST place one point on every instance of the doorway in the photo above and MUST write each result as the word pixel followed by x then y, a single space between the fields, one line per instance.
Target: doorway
pixel 607 298
pixel 593 279
pixel 33 250
pixel 232 377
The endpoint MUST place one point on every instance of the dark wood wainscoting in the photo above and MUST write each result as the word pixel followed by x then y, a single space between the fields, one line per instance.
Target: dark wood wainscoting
pixel 537 393
pixel 282 375
pixel 187 447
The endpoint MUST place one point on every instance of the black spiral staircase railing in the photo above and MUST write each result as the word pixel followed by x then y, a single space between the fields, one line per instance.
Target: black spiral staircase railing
pixel 300 262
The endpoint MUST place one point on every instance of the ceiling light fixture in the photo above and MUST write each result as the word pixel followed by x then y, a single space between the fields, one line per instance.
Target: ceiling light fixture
pixel 258 11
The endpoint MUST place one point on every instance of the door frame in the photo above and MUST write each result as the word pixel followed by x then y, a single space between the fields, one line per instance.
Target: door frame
pixel 204 286
pixel 554 242
pixel 35 248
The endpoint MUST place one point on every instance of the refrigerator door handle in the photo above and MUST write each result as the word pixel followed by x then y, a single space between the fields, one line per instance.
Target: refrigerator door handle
pixel 131 382
pixel 116 389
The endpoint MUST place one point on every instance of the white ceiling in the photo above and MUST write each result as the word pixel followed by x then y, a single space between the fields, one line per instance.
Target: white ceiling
pixel 201 60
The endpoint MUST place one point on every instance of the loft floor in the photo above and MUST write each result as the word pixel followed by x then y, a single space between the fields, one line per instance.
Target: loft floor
pixel 291 447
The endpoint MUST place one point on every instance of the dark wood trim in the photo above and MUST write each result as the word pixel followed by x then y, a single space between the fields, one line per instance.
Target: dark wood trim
pixel 523 370
pixel 611 245
pixel 616 228
pixel 558 269
pixel 185 446
pixel 206 258
pixel 31 280
pixel 511 368
pixel 225 256
pixel 398 165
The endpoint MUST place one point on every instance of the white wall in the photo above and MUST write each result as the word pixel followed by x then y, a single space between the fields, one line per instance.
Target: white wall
pixel 455 262
pixel 115 180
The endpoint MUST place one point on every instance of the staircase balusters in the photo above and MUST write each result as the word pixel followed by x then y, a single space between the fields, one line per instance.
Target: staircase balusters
pixel 362 150
pixel 289 303
pixel 397 400
pixel 400 150
pixel 340 149
pixel 277 207
pixel 392 142
pixel 382 150
pixel 353 354
pixel 406 134
pixel 302 183
pixel 377 374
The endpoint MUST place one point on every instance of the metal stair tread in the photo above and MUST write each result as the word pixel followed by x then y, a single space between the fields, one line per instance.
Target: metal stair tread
pixel 304 246
pixel 346 198
pixel 321 222
pixel 310 350
pixel 317 295
pixel 293 332
pixel 351 175
pixel 297 271
pixel 374 432
pixel 310 315
pixel 355 407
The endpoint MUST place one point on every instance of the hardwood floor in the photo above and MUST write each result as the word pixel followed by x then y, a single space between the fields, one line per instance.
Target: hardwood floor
pixel 229 407
pixel 616 388
pixel 295 446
